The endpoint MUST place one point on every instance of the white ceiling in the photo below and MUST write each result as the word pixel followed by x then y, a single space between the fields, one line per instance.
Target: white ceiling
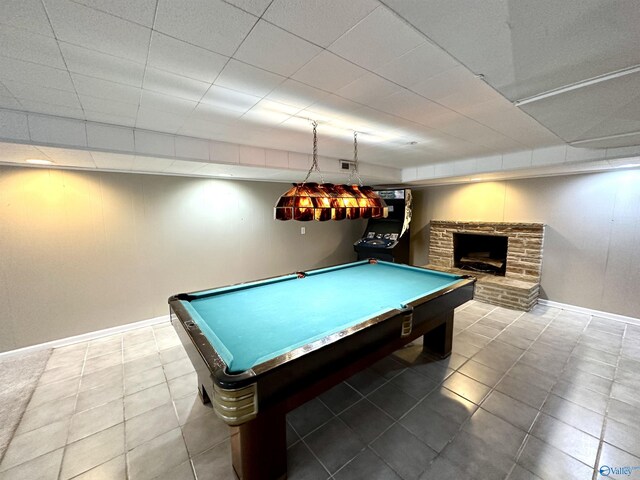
pixel 403 73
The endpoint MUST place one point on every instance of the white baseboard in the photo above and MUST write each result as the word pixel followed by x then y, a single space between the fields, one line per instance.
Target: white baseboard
pixel 589 311
pixel 63 342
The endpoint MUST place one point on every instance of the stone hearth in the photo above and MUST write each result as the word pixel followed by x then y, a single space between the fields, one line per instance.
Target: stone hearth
pixel 520 286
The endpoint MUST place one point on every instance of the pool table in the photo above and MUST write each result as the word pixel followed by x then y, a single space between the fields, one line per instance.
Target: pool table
pixel 261 349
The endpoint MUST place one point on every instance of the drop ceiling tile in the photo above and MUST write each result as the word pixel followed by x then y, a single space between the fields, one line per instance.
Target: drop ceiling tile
pixel 584 154
pixel 140 11
pixel 445 84
pixel 150 164
pixel 276 158
pixel 13 125
pixel 376 40
pixel 252 156
pixel 55 130
pixel 166 103
pixel 318 22
pixel 224 152
pixel 192 148
pixel 296 94
pixel 520 159
pixel 599 110
pixel 27 14
pixel 109 137
pixel 248 79
pixel 110 119
pixel 409 106
pixel 12 70
pixel 159 121
pixel 113 161
pixel 256 7
pixel 473 92
pixel 195 127
pixel 9 102
pixel 549 155
pixel 492 163
pixel 183 167
pixel 36 93
pixel 328 72
pixel 368 88
pixel 69 158
pixel 176 56
pixel 80 25
pixel 49 109
pixel 211 24
pixel 299 161
pixel 103 66
pixel 30 47
pixel 417 65
pixel 213 114
pixel 111 107
pixel 276 50
pixel 151 143
pixel 229 99
pixel 269 113
pixel 175 85
pixel 17 153
pixel 105 89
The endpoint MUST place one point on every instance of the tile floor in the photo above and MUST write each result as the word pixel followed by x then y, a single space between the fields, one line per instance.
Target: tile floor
pixel 543 395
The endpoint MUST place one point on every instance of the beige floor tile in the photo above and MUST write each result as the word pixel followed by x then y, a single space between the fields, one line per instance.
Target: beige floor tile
pixel 101 377
pixel 114 469
pixel 189 408
pixel 100 418
pixel 149 425
pixel 54 391
pixel 143 380
pixel 99 396
pixel 184 385
pixel 158 456
pixel 92 451
pixel 215 463
pixel 37 442
pixel 45 467
pixel 204 432
pixel 46 413
pixel 146 400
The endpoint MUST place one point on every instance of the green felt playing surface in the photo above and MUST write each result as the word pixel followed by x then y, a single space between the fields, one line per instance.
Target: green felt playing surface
pixel 252 323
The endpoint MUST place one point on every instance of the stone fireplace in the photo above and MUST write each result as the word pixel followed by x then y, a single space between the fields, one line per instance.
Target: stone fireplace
pixel 505 257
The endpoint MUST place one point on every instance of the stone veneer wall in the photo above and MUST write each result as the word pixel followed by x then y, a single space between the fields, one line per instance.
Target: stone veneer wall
pixel 520 286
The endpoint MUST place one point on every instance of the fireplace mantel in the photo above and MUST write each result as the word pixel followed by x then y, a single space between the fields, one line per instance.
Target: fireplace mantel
pixel 521 283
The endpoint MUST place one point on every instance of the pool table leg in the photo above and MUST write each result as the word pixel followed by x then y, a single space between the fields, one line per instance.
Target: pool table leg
pixel 259 447
pixel 438 342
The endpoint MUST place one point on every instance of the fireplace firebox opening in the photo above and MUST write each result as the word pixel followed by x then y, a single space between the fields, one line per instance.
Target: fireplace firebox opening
pixel 480 253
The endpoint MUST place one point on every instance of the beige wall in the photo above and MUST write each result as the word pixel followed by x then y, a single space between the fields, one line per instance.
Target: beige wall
pixel 84 251
pixel 592 238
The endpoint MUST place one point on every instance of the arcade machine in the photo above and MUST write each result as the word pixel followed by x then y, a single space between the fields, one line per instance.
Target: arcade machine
pixel 388 238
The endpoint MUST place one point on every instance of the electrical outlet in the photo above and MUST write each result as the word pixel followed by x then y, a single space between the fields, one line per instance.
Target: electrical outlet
pixel 303 230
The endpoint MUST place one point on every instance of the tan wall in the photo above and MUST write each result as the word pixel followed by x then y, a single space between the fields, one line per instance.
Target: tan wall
pixel 82 251
pixel 592 239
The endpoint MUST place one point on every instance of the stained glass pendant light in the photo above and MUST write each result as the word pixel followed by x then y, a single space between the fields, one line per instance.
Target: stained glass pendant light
pixel 363 201
pixel 308 201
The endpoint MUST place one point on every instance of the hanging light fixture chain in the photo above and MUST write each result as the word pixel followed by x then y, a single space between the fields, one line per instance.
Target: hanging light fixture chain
pixel 314 163
pixel 355 173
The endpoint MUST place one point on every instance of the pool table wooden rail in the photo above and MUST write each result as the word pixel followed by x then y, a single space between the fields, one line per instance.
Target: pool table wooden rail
pixel 254 402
